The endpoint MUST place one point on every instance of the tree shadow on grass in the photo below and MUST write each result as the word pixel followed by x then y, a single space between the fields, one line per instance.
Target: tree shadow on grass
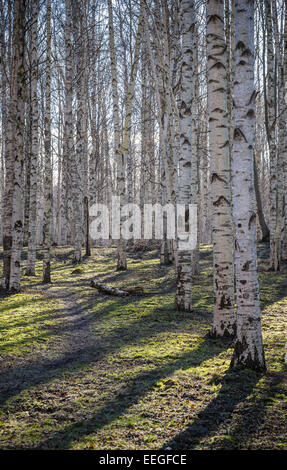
pixel 17 378
pixel 131 392
pixel 231 405
pixel 235 388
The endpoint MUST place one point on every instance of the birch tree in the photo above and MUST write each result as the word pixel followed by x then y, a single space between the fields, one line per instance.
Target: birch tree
pixel 17 103
pixel 31 256
pixel 284 137
pixel 224 319
pixel 119 157
pixel 68 136
pixel 48 167
pixel 184 269
pixel 9 111
pixel 248 350
pixel 271 137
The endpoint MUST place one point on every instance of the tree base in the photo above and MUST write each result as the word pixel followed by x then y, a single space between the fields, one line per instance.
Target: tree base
pixel 225 334
pixel 246 361
pixel 14 290
pixel 183 308
pixel 121 268
pixel 252 365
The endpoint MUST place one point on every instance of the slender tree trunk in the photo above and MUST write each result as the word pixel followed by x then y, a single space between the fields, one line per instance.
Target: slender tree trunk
pixel 248 349
pixel 284 150
pixel 48 166
pixel 271 137
pixel 184 271
pixel 59 214
pixel 126 140
pixel 195 188
pixel 121 252
pixel 224 318
pixel 19 102
pixel 78 160
pixel 8 151
pixel 264 228
pixel 32 223
pixel 280 126
pixel 68 138
pixel 3 108
pixel 85 93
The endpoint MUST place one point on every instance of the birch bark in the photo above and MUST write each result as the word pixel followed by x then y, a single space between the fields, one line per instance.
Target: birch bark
pixel 32 223
pixel 8 153
pixel 48 168
pixel 271 137
pixel 284 144
pixel 248 350
pixel 184 269
pixel 119 158
pixel 224 318
pixel 68 137
pixel 18 103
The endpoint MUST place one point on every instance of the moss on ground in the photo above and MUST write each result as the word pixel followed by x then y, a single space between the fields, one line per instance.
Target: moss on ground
pixel 80 370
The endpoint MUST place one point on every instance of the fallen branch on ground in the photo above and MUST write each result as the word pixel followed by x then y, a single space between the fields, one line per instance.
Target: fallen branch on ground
pixel 123 292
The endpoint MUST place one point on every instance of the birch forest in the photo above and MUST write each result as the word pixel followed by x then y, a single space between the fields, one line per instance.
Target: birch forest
pixel 143 225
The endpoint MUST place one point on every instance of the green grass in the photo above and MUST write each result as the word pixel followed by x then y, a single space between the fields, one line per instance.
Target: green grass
pixel 27 321
pixel 80 370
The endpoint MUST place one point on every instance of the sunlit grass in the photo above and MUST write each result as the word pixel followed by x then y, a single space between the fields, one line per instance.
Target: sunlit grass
pixel 140 373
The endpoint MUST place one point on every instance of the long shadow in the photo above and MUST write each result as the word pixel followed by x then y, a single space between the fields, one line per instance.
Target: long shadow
pixel 123 275
pixel 167 285
pixel 82 305
pixel 132 390
pixel 18 378
pixel 234 389
pixel 252 416
pixel 278 293
pixel 75 356
pixel 278 290
pixel 18 303
pixel 236 386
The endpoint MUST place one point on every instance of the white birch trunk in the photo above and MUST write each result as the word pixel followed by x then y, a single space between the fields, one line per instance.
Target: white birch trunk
pixel 224 318
pixel 78 155
pixel 32 223
pixel 121 253
pixel 68 138
pixel 8 156
pixel 271 137
pixel 284 150
pixel 48 168
pixel 184 270
pixel 248 349
pixel 19 100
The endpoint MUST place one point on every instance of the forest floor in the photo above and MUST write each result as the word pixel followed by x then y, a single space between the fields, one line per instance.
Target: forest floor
pixel 80 370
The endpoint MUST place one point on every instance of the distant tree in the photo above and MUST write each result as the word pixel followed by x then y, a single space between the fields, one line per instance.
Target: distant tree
pixel 48 165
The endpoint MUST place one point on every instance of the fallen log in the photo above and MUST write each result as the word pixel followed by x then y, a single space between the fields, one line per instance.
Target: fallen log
pixel 108 289
pixel 122 292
